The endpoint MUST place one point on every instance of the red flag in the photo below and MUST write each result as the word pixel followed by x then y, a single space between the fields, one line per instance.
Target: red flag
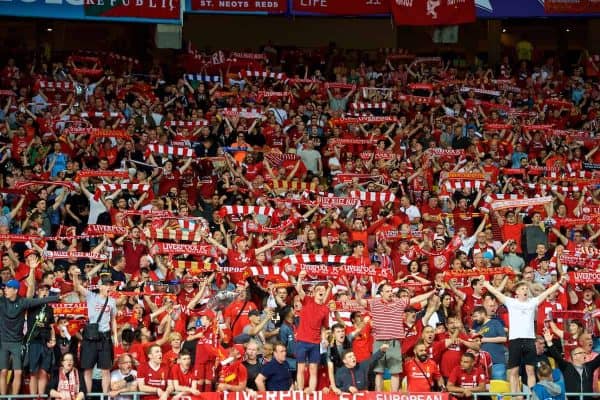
pixel 433 12
pixel 571 7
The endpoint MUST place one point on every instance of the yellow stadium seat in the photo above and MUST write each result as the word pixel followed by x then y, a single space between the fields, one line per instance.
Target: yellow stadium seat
pixel 500 386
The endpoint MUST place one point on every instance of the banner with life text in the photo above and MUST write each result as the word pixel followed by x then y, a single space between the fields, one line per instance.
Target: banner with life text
pixel 341 7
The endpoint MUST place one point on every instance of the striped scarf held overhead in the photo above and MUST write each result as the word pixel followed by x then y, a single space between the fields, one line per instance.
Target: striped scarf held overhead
pixel 100 114
pixel 246 210
pixel 163 149
pixel 273 272
pixel 288 262
pixel 456 184
pixel 56 85
pixel 132 187
pixel 295 186
pixel 202 78
pixel 367 106
pixel 171 234
pixel 262 74
pixel 382 197
pixel 187 124
pixel 242 112
pixel 276 159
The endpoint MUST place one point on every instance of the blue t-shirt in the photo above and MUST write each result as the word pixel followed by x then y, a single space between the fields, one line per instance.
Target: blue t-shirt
pixel 493 328
pixel 278 376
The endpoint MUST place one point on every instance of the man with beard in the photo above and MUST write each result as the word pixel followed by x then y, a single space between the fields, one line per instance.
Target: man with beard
pixel 466 378
pixel 422 373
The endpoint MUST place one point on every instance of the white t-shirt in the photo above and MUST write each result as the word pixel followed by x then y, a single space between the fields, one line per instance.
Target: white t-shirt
pixel 521 318
pixel 117 375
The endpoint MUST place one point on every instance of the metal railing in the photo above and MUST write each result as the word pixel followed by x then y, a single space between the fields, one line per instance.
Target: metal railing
pixel 137 395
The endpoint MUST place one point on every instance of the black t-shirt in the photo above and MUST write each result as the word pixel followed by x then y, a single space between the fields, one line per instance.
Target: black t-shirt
pixel 253 371
pixel 39 321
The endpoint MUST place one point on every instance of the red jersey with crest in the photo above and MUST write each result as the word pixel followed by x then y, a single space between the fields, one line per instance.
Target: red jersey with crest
pixel 157 378
pixel 183 378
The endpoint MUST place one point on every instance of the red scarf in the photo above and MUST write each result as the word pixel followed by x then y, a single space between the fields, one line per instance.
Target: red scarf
pixel 69 384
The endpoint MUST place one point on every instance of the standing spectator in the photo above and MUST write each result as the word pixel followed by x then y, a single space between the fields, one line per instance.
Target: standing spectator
pixel 252 364
pixel 578 374
pixel 276 374
pixel 99 352
pixel 521 337
pixel 12 321
pixel 493 338
pixel 313 316
pixel 388 328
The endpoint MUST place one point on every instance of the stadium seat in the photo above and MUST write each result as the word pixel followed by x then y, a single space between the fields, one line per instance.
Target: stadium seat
pixel 500 386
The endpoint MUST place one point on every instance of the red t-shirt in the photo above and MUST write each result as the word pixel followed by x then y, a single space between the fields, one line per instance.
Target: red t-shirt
pixel 232 311
pixel 467 380
pixel 420 374
pixel 183 378
pixel 157 378
pixel 312 317
pixel 451 357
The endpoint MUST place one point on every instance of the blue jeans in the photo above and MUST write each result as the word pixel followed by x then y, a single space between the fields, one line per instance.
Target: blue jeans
pixel 498 372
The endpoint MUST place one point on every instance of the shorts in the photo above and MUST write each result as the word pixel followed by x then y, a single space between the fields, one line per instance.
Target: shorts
pixel 205 371
pixel 40 357
pixel 98 352
pixel 11 351
pixel 391 360
pixel 521 352
pixel 308 353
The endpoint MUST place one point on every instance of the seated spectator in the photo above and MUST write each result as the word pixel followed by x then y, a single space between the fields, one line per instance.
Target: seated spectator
pixel 124 378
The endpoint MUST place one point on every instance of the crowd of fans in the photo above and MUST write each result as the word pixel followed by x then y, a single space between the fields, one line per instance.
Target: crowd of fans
pixel 298 220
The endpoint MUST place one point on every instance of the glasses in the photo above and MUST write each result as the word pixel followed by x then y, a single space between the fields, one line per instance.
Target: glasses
pixel 579 353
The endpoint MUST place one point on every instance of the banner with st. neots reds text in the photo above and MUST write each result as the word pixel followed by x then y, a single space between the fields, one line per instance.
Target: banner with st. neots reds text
pixel 154 9
pixel 572 6
pixel 239 6
pixel 300 395
pixel 341 7
pixel 433 12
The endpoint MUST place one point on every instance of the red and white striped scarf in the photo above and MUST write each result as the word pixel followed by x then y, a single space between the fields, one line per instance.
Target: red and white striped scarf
pixel 563 189
pixel 170 234
pixel 377 155
pixel 276 159
pixel 369 106
pixel 497 127
pixel 56 85
pixel 294 186
pixel 187 124
pixel 294 259
pixel 446 152
pixel 25 184
pixel 262 74
pixel 339 85
pixel 330 202
pixel 242 112
pixel 510 203
pixel 362 120
pixel 343 269
pixel 246 210
pixel 420 86
pixel 382 197
pixel 352 141
pixel 100 114
pixel 269 272
pixel 538 127
pixel 459 184
pixel 432 101
pixel 53 255
pixel 105 229
pixel 247 56
pixel 90 173
pixel 163 149
pixel 180 248
pixel 134 187
pixel 480 91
